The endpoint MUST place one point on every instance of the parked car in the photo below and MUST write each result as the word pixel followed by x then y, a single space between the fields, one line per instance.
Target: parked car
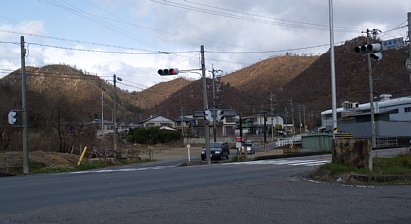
pixel 218 150
pixel 249 146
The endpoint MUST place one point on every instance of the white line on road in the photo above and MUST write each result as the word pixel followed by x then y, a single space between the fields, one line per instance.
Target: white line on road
pixel 282 162
pixel 121 170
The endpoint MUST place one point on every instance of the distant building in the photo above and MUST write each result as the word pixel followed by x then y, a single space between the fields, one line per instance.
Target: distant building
pixel 224 128
pixel 185 124
pixel 254 124
pixel 107 127
pixel 392 118
pixel 158 121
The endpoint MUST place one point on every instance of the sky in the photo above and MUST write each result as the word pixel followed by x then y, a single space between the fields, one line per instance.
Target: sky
pixel 135 38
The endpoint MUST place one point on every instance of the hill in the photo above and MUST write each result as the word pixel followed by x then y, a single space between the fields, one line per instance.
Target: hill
pixel 298 82
pixel 246 90
pixel 156 94
pixel 60 99
pixel 312 87
pixel 268 76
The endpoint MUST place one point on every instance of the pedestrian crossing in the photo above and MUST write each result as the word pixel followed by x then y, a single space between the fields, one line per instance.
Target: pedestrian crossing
pixel 289 162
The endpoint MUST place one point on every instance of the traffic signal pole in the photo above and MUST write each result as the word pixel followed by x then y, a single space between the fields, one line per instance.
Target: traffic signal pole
pixel 206 124
pixel 372 110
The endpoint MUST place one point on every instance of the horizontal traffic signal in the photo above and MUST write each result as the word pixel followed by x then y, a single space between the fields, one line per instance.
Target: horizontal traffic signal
pixel 372 49
pixel 168 71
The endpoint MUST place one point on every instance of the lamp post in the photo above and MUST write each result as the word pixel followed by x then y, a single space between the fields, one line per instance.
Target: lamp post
pixel 332 62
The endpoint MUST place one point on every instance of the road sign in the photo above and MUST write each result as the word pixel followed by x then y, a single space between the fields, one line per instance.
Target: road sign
pixel 392 43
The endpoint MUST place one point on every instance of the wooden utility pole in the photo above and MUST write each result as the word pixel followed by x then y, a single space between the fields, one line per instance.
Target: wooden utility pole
pixel 23 108
pixel 206 124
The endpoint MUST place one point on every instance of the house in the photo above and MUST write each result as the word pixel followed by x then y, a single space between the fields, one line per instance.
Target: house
pixel 225 127
pixel 254 124
pixel 185 124
pixel 392 118
pixel 103 127
pixel 158 121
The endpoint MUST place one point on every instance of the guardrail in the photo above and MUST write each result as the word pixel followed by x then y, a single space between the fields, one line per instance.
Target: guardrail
pixel 288 141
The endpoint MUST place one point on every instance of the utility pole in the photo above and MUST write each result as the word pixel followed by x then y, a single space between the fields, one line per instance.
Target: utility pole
pixel 102 113
pixel 370 82
pixel 206 124
pixel 115 78
pixel 23 107
pixel 213 71
pixel 272 116
pixel 292 116
pixel 265 133
pixel 299 117
pixel 182 121
pixel 305 130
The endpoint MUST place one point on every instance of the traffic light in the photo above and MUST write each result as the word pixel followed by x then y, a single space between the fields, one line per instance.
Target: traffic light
pixel 207 115
pixel 220 115
pixel 372 49
pixel 168 71
pixel 12 117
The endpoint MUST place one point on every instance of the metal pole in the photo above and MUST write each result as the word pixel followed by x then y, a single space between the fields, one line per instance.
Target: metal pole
pixel 23 108
pixel 206 124
pixel 370 82
pixel 332 62
pixel 409 43
pixel 114 116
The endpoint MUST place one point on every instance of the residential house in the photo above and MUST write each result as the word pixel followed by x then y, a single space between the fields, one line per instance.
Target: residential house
pixel 104 127
pixel 226 127
pixel 158 121
pixel 185 124
pixel 254 124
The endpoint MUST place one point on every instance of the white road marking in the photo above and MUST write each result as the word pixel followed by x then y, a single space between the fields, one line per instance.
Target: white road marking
pixel 121 170
pixel 294 162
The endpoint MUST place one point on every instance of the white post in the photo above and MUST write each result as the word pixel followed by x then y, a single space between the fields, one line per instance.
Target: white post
pixel 188 152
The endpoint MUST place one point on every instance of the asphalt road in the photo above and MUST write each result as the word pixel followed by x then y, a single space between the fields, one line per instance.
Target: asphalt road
pixel 265 192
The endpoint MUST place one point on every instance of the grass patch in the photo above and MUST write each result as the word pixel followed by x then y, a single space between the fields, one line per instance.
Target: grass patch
pixel 385 170
pixel 392 166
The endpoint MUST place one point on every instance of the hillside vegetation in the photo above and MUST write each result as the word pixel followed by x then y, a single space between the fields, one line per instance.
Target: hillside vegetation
pixel 61 98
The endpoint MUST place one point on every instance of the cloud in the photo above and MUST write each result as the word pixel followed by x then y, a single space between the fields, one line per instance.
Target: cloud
pixel 221 26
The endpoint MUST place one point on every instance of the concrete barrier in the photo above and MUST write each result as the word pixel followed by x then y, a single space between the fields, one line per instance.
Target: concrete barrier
pixel 352 152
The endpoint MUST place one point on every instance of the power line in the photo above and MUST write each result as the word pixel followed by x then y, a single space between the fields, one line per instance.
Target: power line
pixel 72 40
pixel 92 18
pixel 233 14
pixel 266 17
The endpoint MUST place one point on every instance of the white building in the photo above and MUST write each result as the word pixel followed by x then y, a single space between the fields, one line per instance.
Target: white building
pixel 392 118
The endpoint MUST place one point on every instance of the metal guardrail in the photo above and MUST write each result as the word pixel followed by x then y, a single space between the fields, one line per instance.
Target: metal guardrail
pixel 288 141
